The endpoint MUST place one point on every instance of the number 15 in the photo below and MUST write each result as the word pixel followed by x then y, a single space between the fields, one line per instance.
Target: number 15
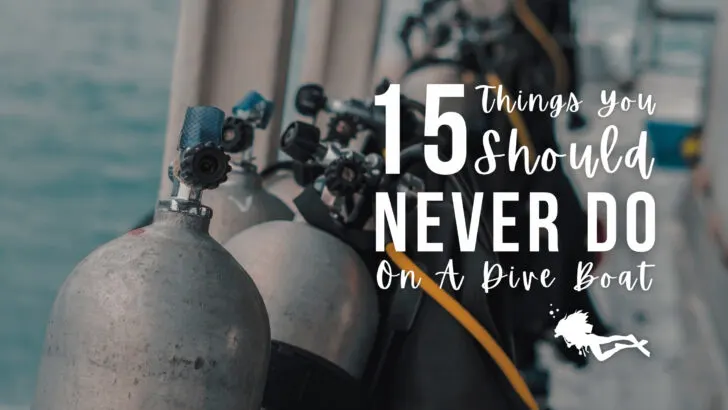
pixel 391 100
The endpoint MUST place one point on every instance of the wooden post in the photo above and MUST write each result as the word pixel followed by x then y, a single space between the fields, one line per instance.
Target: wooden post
pixel 226 48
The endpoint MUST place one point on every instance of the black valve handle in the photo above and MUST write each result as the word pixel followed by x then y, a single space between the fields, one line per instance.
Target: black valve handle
pixel 301 141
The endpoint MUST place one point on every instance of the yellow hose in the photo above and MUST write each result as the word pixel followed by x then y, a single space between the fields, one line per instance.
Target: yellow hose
pixel 469 323
pixel 515 118
pixel 534 26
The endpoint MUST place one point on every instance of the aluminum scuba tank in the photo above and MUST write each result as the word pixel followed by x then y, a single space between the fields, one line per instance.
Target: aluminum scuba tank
pixel 163 317
pixel 321 301
pixel 282 184
pixel 241 201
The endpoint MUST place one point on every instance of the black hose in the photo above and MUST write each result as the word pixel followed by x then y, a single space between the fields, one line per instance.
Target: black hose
pixel 278 166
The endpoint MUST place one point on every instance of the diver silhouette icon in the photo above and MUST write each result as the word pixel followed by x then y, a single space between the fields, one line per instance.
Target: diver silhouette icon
pixel 576 331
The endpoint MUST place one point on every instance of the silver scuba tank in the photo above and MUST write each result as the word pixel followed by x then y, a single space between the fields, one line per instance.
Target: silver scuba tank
pixel 321 301
pixel 282 184
pixel 163 317
pixel 319 294
pixel 241 201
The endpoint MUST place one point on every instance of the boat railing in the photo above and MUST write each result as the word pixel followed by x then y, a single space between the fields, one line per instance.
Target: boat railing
pixel 652 15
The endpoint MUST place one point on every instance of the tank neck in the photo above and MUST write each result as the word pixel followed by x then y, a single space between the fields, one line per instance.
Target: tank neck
pixel 183 213
pixel 245 173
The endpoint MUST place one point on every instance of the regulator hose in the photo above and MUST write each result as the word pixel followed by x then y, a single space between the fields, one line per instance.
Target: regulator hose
pixel 278 166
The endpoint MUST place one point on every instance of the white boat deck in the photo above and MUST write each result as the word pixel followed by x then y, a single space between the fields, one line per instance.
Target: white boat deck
pixel 685 371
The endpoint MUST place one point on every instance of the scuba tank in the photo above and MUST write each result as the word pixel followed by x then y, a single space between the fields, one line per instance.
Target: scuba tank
pixel 280 181
pixel 163 317
pixel 423 358
pixel 241 201
pixel 320 297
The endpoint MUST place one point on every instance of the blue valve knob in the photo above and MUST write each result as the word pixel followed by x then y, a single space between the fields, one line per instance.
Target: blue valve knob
pixel 202 162
pixel 254 109
pixel 202 124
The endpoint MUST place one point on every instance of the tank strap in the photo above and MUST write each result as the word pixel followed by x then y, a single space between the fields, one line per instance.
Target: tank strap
pixel 317 214
pixel 403 308
pixel 298 379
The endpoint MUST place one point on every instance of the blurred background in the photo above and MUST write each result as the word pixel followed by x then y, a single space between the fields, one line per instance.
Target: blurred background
pixel 84 91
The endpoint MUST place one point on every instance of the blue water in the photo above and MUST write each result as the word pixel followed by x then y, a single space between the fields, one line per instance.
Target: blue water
pixel 83 102
pixel 84 87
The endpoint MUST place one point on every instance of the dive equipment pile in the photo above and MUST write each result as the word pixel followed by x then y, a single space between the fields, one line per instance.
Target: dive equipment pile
pixel 286 314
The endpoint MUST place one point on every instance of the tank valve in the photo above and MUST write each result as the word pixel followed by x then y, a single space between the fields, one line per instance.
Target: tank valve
pixel 255 110
pixel 310 100
pixel 251 112
pixel 201 162
pixel 242 198
pixel 349 117
pixel 342 129
pixel 383 86
pixel 302 142
pixel 346 175
pixel 237 135
pixel 349 183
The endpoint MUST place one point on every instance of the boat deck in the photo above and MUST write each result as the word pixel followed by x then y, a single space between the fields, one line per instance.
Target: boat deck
pixel 685 370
